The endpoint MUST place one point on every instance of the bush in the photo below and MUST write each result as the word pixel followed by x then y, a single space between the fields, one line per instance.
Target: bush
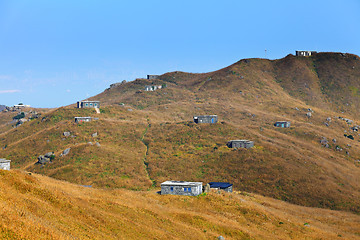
pixel 349 136
pixel 19 116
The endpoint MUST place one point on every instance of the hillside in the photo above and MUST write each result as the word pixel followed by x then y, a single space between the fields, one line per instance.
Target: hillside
pixel 148 137
pixel 39 207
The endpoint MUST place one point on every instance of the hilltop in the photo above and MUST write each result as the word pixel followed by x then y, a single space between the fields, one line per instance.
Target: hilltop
pixel 148 137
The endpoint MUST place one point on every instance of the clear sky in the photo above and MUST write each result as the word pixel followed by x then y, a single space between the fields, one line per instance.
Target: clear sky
pixel 53 53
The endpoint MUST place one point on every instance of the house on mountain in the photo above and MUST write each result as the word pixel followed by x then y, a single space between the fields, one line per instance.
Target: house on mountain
pixel 88 104
pixel 152 76
pixel 181 188
pixel 305 53
pixel 4 164
pixel 20 106
pixel 152 87
pixel 84 119
pixel 206 119
pixel 282 124
pixel 227 187
pixel 240 144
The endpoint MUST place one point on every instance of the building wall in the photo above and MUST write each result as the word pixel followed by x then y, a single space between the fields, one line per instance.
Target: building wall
pixel 78 120
pixel 240 144
pixel 228 189
pixel 5 165
pixel 305 53
pixel 206 119
pixel 152 76
pixel 152 87
pixel 282 124
pixel 88 104
pixel 179 190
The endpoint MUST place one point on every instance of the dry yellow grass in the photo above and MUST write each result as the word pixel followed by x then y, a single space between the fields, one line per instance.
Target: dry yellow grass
pixel 39 207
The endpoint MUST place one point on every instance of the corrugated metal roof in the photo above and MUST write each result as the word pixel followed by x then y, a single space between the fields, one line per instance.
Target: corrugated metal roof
pixel 219 184
pixel 181 183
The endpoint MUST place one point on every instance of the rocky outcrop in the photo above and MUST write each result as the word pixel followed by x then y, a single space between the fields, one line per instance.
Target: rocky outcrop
pixel 65 152
pixel 66 134
pixel 48 157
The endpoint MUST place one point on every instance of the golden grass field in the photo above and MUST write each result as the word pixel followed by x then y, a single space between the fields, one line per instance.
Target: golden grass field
pixel 38 207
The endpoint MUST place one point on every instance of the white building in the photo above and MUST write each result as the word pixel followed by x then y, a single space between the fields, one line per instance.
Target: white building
pixel 4 164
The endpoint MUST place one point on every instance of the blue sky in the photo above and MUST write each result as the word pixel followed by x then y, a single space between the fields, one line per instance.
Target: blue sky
pixel 53 53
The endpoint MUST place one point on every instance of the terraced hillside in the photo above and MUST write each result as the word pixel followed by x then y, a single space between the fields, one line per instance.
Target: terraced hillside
pixel 148 137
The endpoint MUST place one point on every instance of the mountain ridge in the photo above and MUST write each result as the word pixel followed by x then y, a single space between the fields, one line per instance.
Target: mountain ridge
pixel 248 96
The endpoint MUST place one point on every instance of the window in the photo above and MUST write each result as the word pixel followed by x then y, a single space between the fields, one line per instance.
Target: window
pixel 185 189
pixel 189 189
pixel 172 189
pixel 86 104
pixel 90 104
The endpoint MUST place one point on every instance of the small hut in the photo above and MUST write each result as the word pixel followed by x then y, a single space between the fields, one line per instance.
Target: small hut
pixel 240 144
pixel 227 187
pixel 88 104
pixel 282 124
pixel 206 119
pixel 181 188
pixel 4 164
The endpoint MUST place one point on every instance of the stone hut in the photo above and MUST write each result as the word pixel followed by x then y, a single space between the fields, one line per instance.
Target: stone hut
pixel 240 144
pixel 152 87
pixel 181 188
pixel 227 187
pixel 282 124
pixel 4 164
pixel 206 119
pixel 88 104
pixel 152 76
pixel 305 53
pixel 84 119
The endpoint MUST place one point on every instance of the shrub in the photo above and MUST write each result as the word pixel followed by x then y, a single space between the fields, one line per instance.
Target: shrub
pixel 19 116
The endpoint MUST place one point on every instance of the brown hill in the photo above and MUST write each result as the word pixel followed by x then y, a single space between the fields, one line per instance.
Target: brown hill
pixel 151 137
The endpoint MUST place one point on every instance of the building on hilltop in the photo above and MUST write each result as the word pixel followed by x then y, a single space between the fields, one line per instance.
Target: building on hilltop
pixel 152 76
pixel 206 119
pixel 4 164
pixel 152 87
pixel 88 104
pixel 84 119
pixel 305 53
pixel 240 144
pixel 20 105
pixel 282 124
pixel 181 188
pixel 227 187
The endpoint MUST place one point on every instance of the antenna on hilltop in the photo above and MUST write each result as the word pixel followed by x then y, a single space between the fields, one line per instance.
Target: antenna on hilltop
pixel 265 53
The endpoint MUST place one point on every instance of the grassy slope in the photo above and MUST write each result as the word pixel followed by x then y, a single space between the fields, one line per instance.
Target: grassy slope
pixel 288 164
pixel 38 207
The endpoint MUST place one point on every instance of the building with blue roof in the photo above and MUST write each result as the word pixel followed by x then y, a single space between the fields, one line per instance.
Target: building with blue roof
pixel 227 187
